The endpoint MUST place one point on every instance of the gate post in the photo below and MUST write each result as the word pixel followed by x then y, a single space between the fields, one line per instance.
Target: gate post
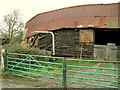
pixel 64 74
pixel 2 59
pixel 5 61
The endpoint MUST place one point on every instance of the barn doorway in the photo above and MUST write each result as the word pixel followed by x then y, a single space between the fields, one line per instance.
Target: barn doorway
pixel 102 37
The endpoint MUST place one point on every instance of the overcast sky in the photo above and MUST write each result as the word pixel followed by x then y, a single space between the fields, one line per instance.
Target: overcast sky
pixel 29 8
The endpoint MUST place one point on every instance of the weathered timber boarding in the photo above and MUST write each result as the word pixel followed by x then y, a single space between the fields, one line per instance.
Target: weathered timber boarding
pixel 67 42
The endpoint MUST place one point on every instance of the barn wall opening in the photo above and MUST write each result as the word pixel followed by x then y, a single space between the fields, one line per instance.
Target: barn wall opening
pixel 102 37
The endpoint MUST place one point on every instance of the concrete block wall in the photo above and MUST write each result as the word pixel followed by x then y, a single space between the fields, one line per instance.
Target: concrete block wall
pixel 106 52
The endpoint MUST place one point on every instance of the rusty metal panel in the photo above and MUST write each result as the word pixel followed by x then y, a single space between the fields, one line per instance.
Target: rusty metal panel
pixel 86 36
pixel 109 10
pixel 97 15
pixel 102 22
pixel 111 22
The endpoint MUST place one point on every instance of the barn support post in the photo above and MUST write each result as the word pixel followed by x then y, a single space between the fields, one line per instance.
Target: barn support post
pixel 34 40
pixel 53 39
pixel 5 60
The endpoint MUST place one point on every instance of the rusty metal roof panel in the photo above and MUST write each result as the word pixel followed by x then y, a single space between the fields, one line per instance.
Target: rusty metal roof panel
pixel 97 15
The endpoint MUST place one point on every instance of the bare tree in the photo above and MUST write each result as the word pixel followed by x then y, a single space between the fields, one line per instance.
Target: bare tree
pixel 13 24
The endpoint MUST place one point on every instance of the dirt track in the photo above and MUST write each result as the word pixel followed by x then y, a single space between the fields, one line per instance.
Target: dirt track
pixel 18 82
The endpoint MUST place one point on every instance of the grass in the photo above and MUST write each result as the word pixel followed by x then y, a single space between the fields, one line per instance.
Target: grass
pixel 79 63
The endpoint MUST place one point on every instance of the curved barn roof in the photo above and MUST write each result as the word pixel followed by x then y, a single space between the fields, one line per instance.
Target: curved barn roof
pixel 97 15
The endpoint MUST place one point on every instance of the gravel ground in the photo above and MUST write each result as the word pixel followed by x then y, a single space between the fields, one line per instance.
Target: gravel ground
pixel 18 82
pixel 83 85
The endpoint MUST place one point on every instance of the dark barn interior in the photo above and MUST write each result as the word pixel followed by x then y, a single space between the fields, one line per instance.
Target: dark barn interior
pixel 103 37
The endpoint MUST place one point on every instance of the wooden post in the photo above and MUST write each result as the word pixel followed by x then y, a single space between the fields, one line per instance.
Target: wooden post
pixel 64 75
pixel 2 59
pixel 5 61
pixel 81 51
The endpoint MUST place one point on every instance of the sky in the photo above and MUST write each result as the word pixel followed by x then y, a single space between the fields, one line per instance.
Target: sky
pixel 30 8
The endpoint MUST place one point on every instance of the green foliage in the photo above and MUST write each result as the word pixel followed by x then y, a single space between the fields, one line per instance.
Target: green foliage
pixel 18 38
pixel 17 48
pixel 7 74
pixel 5 38
pixel 5 41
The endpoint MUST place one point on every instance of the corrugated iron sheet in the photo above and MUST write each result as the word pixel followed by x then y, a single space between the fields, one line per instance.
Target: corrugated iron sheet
pixel 98 15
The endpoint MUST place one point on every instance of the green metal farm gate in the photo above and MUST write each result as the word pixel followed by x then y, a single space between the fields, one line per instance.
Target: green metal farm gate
pixel 64 72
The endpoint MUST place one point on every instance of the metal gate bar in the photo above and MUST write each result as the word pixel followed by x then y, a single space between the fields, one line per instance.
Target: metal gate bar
pixel 35 67
pixel 66 72
pixel 92 74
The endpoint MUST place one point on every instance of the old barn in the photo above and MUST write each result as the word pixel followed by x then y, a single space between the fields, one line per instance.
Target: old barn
pixel 83 31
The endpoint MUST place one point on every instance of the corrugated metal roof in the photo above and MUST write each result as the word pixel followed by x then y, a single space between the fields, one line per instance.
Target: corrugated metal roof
pixel 97 15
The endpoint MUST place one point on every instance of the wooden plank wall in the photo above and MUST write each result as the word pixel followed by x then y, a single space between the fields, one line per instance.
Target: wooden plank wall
pixel 68 42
